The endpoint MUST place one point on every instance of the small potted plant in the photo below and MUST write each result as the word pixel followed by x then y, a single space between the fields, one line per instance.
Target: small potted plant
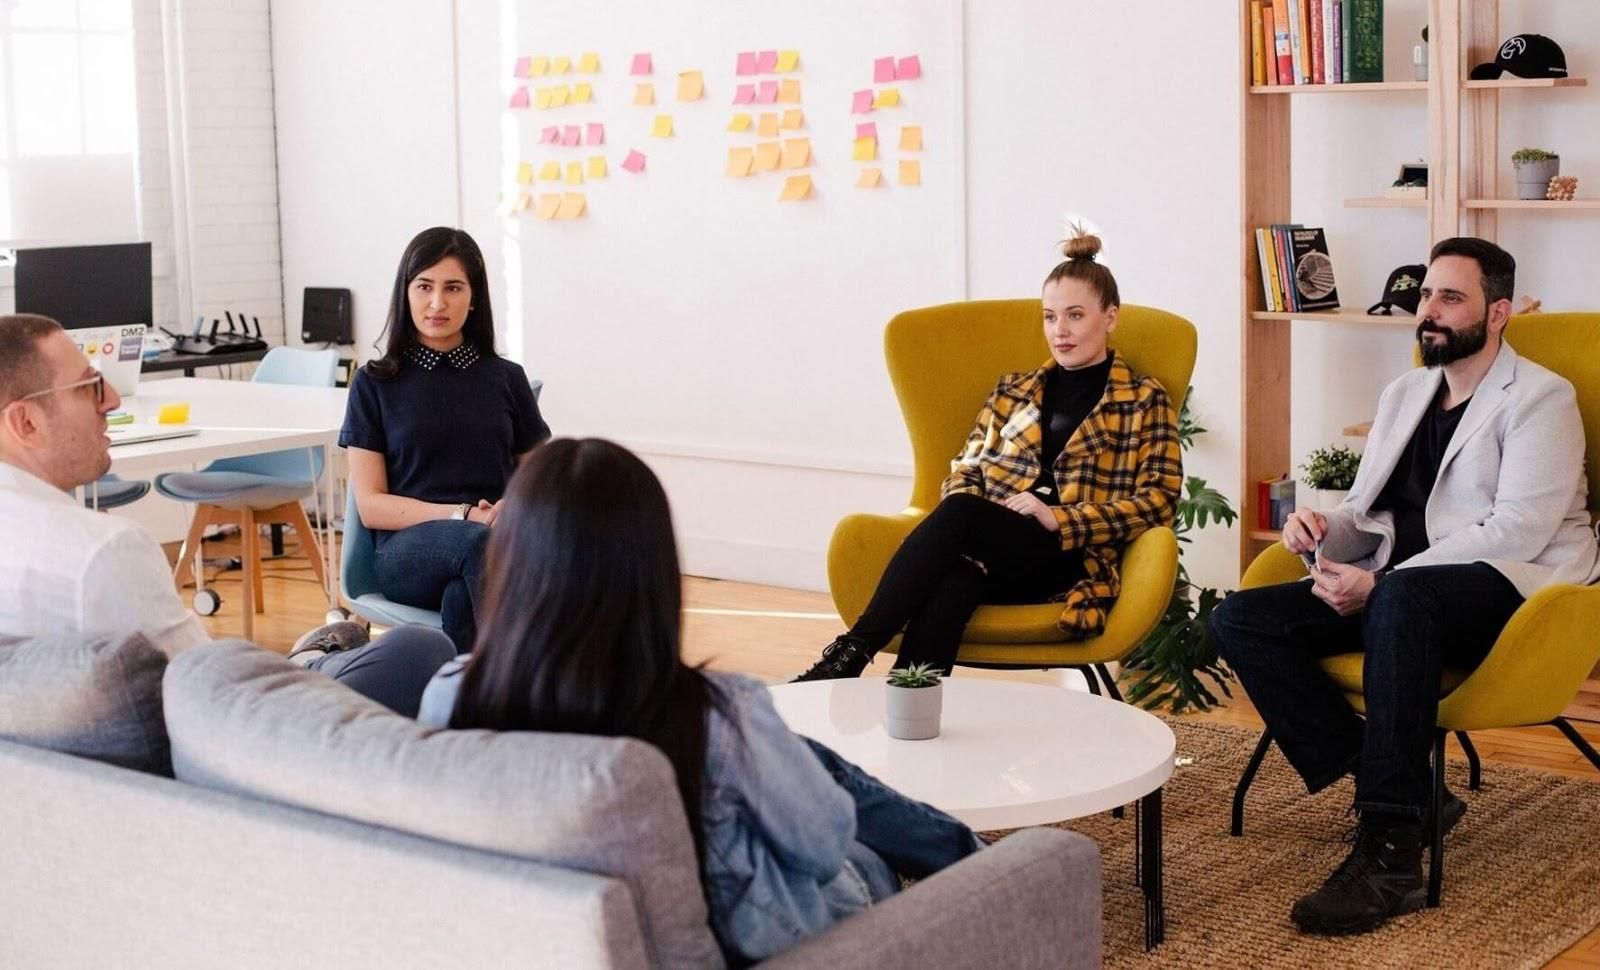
pixel 1329 474
pixel 1535 168
pixel 913 701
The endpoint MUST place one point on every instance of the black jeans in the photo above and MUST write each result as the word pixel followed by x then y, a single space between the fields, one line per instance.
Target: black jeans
pixel 967 551
pixel 436 565
pixel 1416 622
pixel 393 669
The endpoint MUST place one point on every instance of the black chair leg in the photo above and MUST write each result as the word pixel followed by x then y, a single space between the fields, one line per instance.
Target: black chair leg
pixel 1246 779
pixel 1088 675
pixel 1474 766
pixel 1436 827
pixel 1577 740
pixel 1109 681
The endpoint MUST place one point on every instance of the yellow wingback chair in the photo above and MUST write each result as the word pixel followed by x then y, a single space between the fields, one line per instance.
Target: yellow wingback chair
pixel 1541 658
pixel 944 361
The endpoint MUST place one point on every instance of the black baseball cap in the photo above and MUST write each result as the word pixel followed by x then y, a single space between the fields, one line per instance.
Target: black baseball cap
pixel 1525 55
pixel 1404 290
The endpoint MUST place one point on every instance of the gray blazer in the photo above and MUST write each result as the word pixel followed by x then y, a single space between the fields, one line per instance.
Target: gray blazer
pixel 1511 490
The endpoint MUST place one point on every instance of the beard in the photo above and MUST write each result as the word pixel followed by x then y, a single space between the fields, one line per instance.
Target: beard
pixel 1455 345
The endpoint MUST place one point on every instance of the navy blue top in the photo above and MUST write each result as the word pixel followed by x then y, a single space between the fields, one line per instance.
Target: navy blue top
pixel 447 433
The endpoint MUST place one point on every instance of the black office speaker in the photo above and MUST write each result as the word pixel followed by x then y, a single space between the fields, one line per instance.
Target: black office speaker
pixel 325 318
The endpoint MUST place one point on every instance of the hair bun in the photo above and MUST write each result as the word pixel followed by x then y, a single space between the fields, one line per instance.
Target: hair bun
pixel 1082 245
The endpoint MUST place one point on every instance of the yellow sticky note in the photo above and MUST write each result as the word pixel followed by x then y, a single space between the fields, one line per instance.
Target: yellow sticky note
pixel 547 207
pixel 788 61
pixel 539 66
pixel 768 128
pixel 574 173
pixel 589 63
pixel 739 162
pixel 175 413
pixel 571 207
pixel 543 99
pixel 691 85
pixel 911 138
pixel 560 95
pixel 887 98
pixel 789 91
pixel 910 172
pixel 662 127
pixel 739 122
pixel 767 155
pixel 597 166
pixel 550 172
pixel 644 94
pixel 525 173
pixel 794 118
pixel 870 178
pixel 796 152
pixel 795 188
pixel 523 199
pixel 561 65
pixel 582 93
pixel 866 150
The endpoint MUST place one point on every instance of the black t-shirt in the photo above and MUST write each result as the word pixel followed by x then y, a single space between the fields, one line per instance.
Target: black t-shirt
pixel 447 433
pixel 1406 493
pixel 1069 396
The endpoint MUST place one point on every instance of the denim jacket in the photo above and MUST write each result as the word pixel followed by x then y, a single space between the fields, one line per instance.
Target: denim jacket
pixel 777 826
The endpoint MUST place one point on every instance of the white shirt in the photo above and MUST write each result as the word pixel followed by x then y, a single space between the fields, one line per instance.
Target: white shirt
pixel 68 569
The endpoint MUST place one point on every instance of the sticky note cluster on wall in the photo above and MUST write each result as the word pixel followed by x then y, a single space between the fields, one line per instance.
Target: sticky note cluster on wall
pixel 782 149
pixel 887 74
pixel 558 95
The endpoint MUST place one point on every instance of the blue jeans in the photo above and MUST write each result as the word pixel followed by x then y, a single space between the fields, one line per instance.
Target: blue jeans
pixel 393 669
pixel 436 565
pixel 1416 622
pixel 894 834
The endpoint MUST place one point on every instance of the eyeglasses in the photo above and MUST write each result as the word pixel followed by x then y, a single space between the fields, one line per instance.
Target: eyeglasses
pixel 98 380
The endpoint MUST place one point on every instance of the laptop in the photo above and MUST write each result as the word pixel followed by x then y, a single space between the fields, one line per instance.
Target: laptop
pixel 117 352
pixel 132 434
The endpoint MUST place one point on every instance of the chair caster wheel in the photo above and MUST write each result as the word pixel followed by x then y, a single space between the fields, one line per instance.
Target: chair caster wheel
pixel 207 602
pixel 336 615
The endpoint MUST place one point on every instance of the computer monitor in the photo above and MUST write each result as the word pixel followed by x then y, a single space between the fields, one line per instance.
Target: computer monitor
pixel 86 286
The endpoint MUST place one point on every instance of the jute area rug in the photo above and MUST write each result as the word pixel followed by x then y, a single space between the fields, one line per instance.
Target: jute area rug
pixel 1521 878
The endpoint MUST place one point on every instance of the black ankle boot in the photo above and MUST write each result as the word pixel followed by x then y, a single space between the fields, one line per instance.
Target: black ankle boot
pixel 845 657
pixel 1379 880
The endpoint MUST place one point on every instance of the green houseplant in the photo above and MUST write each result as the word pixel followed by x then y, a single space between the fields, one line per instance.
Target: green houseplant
pixel 913 701
pixel 1535 168
pixel 1329 473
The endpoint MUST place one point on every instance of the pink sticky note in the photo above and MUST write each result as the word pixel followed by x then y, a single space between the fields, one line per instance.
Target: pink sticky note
pixel 597 133
pixel 744 94
pixel 883 70
pixel 550 136
pixel 634 162
pixel 641 64
pixel 747 63
pixel 910 69
pixel 571 135
pixel 867 129
pixel 863 102
pixel 768 93
pixel 521 70
pixel 767 62
pixel 519 98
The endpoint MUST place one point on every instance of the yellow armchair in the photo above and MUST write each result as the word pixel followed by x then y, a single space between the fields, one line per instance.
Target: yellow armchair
pixel 1541 659
pixel 944 361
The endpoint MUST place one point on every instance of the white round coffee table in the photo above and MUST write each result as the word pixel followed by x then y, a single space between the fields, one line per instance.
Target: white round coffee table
pixel 1008 755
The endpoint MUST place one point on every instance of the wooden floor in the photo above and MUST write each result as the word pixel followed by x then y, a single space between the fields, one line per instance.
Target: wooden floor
pixel 772 634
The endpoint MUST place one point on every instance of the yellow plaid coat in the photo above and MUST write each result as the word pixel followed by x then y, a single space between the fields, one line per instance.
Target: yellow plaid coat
pixel 1119 474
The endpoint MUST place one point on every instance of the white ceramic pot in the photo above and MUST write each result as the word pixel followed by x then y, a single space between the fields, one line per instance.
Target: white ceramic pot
pixel 1534 177
pixel 912 713
pixel 1327 499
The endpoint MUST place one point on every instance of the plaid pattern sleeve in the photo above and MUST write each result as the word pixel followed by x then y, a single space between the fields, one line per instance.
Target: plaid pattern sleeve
pixel 966 471
pixel 1131 486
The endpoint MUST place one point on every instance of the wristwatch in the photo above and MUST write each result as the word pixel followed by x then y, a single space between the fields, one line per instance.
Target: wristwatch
pixel 461 511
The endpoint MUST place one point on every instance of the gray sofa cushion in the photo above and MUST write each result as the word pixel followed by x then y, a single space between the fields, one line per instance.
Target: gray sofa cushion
pixel 245 720
pixel 96 697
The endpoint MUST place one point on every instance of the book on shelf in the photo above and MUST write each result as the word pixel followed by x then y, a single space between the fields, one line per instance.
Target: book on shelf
pixel 1280 236
pixel 1303 16
pixel 1318 41
pixel 1258 74
pixel 1269 46
pixel 1344 41
pixel 1269 280
pixel 1366 40
pixel 1332 19
pixel 1280 40
pixel 1274 502
pixel 1311 270
pixel 1294 41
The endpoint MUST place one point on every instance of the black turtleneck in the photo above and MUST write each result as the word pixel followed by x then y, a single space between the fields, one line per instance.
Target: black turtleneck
pixel 1069 396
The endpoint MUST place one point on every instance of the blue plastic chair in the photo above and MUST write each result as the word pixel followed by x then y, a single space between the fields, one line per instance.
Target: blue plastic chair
pixel 111 492
pixel 359 578
pixel 261 489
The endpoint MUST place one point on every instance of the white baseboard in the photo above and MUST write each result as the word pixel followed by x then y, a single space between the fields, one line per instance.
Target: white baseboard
pixel 750 562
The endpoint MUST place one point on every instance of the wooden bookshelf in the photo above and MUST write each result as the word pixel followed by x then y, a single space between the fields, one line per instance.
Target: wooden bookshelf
pixel 1384 202
pixel 1543 205
pixel 1366 87
pixel 1527 82
pixel 1345 314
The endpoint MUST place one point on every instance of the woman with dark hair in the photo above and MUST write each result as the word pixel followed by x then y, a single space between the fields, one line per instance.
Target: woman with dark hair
pixel 1066 465
pixel 581 627
pixel 435 428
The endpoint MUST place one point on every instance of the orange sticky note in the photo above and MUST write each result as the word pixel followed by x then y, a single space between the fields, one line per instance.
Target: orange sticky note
pixel 525 173
pixel 597 166
pixel 561 65
pixel 522 201
pixel 539 66
pixel 550 172
pixel 739 162
pixel 789 91
pixel 911 138
pixel 910 172
pixel 887 98
pixel 546 209
pixel 796 152
pixel 691 85
pixel 787 61
pixel 739 123
pixel 795 188
pixel 663 126
pixel 560 95
pixel 767 155
pixel 582 93
pixel 574 173
pixel 572 205
pixel 768 127
pixel 866 150
pixel 589 63
pixel 794 118
pixel 644 94
pixel 870 178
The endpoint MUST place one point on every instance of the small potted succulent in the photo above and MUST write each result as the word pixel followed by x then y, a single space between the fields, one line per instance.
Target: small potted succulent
pixel 1535 168
pixel 913 701
pixel 1329 473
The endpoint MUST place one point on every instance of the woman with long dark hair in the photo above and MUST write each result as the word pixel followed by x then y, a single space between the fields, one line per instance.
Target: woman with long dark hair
pixel 435 428
pixel 580 633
